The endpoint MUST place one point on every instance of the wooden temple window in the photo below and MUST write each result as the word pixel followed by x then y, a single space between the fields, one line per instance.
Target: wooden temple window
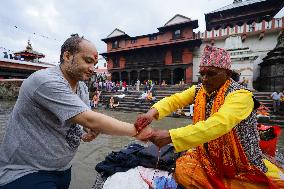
pixel 250 28
pixel 132 41
pixel 177 55
pixel 115 44
pixel 115 62
pixel 278 22
pixel 224 31
pixel 152 37
pixel 177 34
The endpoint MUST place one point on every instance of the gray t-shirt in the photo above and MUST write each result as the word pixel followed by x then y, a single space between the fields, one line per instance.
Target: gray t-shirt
pixel 39 135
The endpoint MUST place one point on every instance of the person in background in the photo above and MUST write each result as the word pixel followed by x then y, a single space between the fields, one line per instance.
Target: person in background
pixel 111 102
pixel 245 82
pixel 276 97
pixel 45 127
pixel 137 85
pixel 222 143
pixel 96 98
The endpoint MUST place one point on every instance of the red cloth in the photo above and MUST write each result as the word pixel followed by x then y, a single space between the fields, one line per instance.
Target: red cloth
pixel 268 145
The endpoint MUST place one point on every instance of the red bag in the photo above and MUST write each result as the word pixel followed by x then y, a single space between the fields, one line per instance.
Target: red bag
pixel 268 138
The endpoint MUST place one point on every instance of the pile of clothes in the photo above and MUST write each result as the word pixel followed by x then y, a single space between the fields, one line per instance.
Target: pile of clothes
pixel 139 165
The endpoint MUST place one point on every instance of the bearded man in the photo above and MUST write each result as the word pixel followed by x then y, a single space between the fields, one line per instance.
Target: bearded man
pixel 45 127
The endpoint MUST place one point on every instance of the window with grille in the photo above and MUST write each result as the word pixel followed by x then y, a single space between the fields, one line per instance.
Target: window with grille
pixel 177 34
pixel 152 37
pixel 132 41
pixel 115 44
pixel 177 55
pixel 115 62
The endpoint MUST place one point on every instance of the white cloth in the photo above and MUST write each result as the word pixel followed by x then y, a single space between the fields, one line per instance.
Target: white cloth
pixel 143 96
pixel 120 96
pixel 134 178
pixel 276 96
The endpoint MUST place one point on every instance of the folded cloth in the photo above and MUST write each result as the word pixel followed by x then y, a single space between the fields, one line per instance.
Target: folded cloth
pixel 119 161
pixel 140 178
pixel 135 155
pixel 164 182
pixel 149 156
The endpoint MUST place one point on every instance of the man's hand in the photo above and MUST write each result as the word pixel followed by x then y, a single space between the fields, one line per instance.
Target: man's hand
pixel 144 120
pixel 160 137
pixel 90 135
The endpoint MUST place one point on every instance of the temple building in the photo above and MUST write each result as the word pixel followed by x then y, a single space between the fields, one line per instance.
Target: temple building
pixel 248 29
pixel 22 64
pixel 165 55
pixel 29 54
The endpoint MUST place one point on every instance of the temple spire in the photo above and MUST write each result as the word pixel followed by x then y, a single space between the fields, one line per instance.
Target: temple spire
pixel 29 46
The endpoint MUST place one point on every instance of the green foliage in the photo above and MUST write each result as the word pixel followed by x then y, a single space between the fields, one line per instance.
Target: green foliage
pixel 9 91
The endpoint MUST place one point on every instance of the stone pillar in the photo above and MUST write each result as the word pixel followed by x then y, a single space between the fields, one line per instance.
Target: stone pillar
pixel 188 78
pixel 172 77
pixel 138 75
pixel 160 77
pixel 129 80
pixel 184 76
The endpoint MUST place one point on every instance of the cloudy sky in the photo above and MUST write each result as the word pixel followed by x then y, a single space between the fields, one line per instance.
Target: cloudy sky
pixel 47 23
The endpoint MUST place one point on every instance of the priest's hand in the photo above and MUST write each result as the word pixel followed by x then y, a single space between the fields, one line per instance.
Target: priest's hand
pixel 160 137
pixel 145 134
pixel 143 120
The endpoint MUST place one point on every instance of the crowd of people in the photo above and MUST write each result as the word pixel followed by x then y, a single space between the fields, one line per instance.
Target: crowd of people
pixel 52 115
pixel 110 86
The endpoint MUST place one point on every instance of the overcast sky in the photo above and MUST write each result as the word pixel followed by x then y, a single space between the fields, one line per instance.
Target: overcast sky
pixel 47 23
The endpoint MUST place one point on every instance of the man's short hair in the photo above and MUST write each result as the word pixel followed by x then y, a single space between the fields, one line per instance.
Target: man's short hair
pixel 71 45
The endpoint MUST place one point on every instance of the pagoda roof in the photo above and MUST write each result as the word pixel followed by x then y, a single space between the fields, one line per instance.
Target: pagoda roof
pixel 115 34
pixel 30 52
pixel 241 11
pixel 177 21
pixel 236 5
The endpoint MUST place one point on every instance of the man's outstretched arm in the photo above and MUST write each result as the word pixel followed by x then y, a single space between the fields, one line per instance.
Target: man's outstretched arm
pixel 104 124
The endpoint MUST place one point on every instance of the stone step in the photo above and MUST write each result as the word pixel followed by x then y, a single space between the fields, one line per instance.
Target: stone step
pixel 130 102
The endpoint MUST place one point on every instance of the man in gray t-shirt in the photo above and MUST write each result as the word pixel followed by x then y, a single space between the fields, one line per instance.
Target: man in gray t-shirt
pixel 45 127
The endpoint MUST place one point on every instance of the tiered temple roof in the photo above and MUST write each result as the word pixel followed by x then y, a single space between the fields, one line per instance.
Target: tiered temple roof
pixel 241 11
pixel 29 54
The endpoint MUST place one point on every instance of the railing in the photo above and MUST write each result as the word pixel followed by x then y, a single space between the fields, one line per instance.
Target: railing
pixel 274 24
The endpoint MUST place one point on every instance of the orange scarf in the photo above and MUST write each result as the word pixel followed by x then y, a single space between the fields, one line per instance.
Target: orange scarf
pixel 224 157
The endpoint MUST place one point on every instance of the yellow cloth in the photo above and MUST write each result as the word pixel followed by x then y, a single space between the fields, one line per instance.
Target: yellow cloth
pixel 191 173
pixel 237 106
pixel 273 170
